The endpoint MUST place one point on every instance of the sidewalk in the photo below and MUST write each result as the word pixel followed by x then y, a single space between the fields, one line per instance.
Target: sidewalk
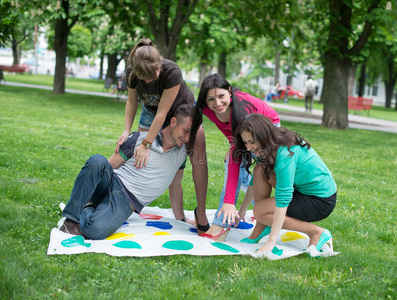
pixel 289 113
pixel 297 114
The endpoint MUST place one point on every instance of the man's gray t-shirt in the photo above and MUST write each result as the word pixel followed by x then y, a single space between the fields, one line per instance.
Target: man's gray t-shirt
pixel 151 181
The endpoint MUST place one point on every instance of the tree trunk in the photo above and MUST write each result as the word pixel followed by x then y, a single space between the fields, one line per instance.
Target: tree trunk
pixel 362 79
pixel 335 91
pixel 15 52
pixel 101 67
pixel 113 62
pixel 60 45
pixel 203 68
pixel 277 68
pixel 351 79
pixel 222 65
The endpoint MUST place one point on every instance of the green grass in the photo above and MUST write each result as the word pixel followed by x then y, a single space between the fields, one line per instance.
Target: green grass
pixel 45 139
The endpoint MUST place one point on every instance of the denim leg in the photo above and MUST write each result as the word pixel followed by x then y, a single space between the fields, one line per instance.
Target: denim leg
pixel 245 178
pixel 219 221
pixel 100 222
pixel 94 183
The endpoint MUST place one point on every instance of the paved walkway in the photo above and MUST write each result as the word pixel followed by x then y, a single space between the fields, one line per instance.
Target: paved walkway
pixel 297 114
pixel 289 112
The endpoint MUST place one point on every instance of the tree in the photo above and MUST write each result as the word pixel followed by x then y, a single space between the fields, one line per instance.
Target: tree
pixel 342 45
pixel 166 20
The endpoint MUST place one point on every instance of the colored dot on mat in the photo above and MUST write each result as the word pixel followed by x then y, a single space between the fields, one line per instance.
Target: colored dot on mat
pixel 160 225
pixel 127 245
pixel 193 230
pixel 277 251
pixel 292 236
pixel 150 216
pixel 162 233
pixel 244 225
pixel 120 235
pixel 75 241
pixel 178 245
pixel 125 224
pixel 225 247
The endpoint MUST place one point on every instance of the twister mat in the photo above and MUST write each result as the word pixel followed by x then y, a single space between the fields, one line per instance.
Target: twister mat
pixel 155 232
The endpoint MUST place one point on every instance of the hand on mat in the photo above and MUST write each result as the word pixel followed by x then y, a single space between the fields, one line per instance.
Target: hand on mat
pixel 241 213
pixel 141 155
pixel 267 247
pixel 121 140
pixel 229 214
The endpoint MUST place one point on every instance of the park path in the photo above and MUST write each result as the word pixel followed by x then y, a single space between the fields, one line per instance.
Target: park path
pixel 288 113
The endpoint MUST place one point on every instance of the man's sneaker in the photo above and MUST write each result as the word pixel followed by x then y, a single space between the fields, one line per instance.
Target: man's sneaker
pixel 71 227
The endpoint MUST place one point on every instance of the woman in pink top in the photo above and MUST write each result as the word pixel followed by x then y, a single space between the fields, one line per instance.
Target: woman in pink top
pixel 226 106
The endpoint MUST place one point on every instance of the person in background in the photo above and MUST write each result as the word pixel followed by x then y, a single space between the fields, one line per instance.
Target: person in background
pixel 310 91
pixel 225 107
pixel 274 92
pixel 305 190
pixel 158 83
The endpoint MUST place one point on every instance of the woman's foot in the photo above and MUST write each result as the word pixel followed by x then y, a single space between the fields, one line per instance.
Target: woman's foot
pixel 318 240
pixel 200 228
pixel 251 240
pixel 218 234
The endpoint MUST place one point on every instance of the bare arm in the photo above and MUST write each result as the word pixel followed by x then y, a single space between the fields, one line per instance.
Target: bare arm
pixel 116 160
pixel 278 221
pixel 167 99
pixel 130 112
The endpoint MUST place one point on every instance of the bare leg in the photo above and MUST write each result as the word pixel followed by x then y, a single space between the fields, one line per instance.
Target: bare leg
pixel 200 175
pixel 176 196
pixel 264 210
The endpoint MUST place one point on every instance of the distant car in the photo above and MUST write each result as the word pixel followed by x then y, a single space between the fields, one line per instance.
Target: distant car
pixel 291 93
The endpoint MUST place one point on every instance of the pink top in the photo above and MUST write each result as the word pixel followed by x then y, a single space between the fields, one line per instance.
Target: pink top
pixel 226 129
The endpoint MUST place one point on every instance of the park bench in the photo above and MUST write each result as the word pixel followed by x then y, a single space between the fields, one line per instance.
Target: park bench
pixel 15 68
pixel 359 104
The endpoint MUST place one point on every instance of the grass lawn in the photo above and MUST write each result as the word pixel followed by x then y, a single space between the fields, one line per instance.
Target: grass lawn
pixel 45 139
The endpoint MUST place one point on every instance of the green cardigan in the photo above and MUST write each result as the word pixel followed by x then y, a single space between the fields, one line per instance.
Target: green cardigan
pixel 303 171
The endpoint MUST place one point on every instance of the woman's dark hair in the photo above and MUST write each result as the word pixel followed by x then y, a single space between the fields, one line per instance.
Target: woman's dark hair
pixel 145 60
pixel 269 137
pixel 240 107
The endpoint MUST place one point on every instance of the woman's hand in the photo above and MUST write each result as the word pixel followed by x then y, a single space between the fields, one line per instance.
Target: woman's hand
pixel 241 213
pixel 267 247
pixel 141 155
pixel 229 214
pixel 121 140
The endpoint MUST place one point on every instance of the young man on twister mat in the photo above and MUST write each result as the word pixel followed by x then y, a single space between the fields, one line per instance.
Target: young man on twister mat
pixel 107 192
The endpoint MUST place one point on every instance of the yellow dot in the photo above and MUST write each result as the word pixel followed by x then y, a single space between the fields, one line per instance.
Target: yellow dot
pixel 292 236
pixel 120 235
pixel 162 233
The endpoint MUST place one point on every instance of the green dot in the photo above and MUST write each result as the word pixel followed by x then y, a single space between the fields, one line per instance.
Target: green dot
pixel 225 247
pixel 127 245
pixel 178 245
pixel 75 241
pixel 277 251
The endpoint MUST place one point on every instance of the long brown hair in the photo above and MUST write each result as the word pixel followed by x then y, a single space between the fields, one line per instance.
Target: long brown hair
pixel 241 107
pixel 269 137
pixel 145 60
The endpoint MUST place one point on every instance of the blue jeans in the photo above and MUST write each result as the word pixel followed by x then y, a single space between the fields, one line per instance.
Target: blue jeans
pixel 270 95
pixel 98 184
pixel 243 182
pixel 147 118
